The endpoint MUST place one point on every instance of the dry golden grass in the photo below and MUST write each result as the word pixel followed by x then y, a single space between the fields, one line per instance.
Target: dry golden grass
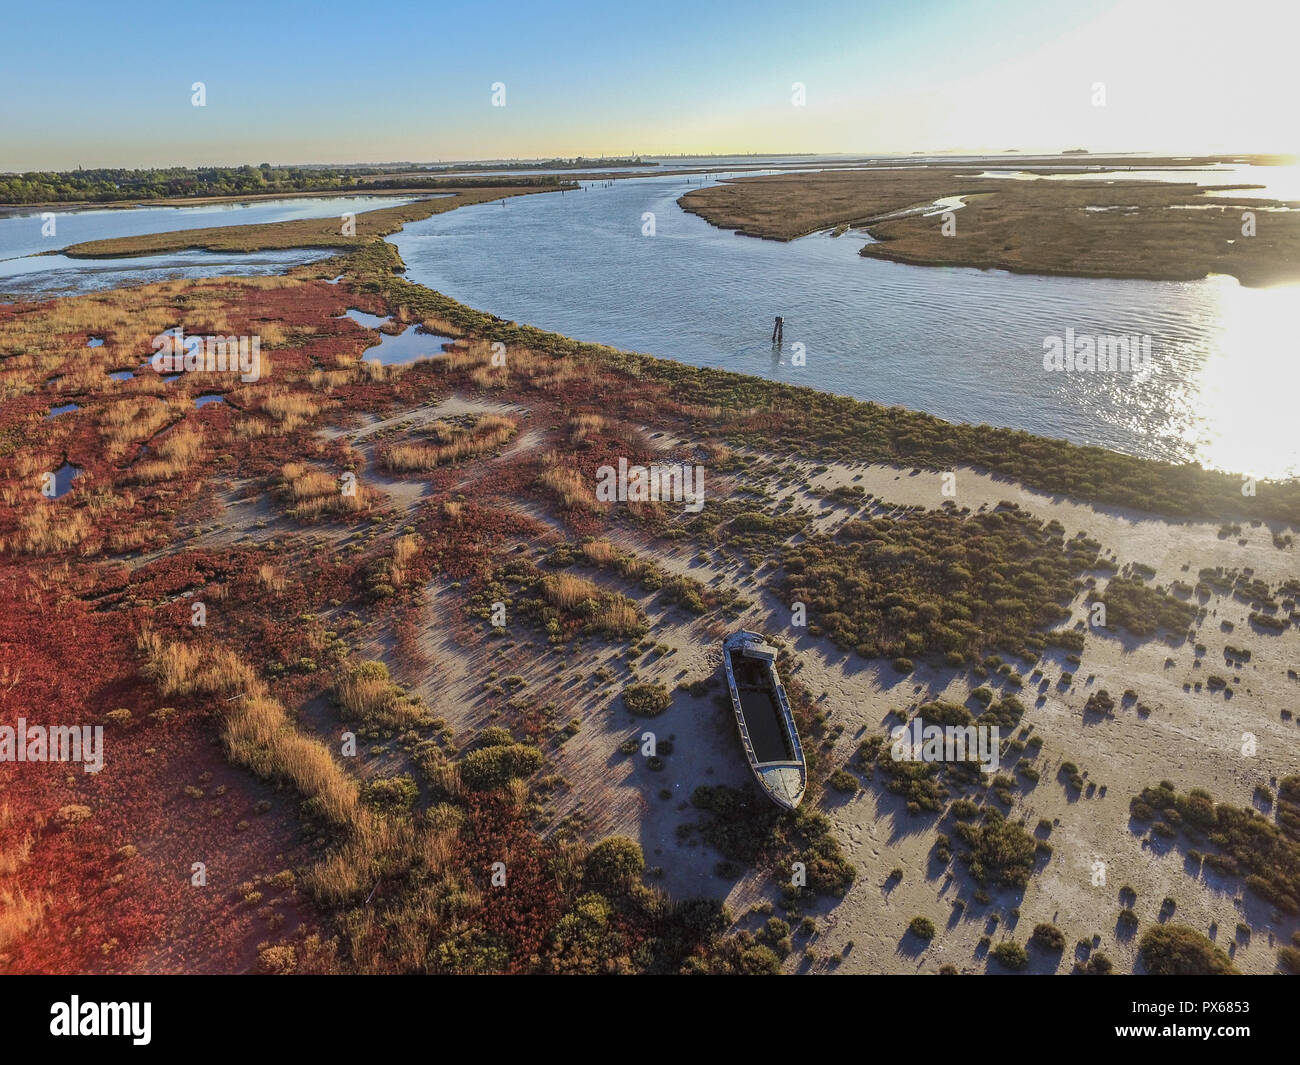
pixel 570 865
pixel 75 521
pixel 43 337
pixel 310 483
pixel 376 372
pixel 252 428
pixel 618 615
pixel 176 452
pixel 487 370
pixel 260 735
pixel 315 493
pixel 285 405
pixel 600 552
pixel 367 693
pixel 85 380
pixel 488 433
pixel 125 423
pixel 453 509
pixel 441 432
pixel 131 538
pixel 273 335
pixel 405 548
pixel 491 377
pixel 180 668
pixel 608 612
pixel 361 695
pixel 560 374
pixel 517 793
pixel 580 425
pixel 273 281
pixel 437 848
pixel 291 410
pixel 29 462
pixel 447 778
pixel 270 578
pixel 19 915
pixel 49 528
pixel 566 590
pixel 15 857
pixel 567 485
pixel 341 360
pixel 604 555
pixel 320 506
pixel 439 327
pixel 463 359
pixel 328 380
pixel 257 730
pixel 411 458
pixel 349 872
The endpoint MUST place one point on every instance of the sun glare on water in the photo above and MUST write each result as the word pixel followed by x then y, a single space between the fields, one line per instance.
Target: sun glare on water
pixel 1247 390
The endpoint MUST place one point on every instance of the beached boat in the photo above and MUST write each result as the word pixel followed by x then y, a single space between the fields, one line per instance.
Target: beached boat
pixel 767 729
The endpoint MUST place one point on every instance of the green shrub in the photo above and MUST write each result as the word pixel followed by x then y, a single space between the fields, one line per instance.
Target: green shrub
pixel 843 781
pixel 492 768
pixel 1142 610
pixel 391 794
pixel 1265 853
pixel 759 961
pixel 647 699
pixel 1178 950
pixel 1001 851
pixel 494 736
pixel 615 864
pixel 1048 937
pixel 1011 954
pixel 1096 965
pixel 922 928
pixel 1099 702
pixel 964 809
pixel 934 582
pixel 367 693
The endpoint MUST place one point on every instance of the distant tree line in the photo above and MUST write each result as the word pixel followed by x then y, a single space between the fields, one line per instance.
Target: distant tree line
pixel 107 186
pixel 576 163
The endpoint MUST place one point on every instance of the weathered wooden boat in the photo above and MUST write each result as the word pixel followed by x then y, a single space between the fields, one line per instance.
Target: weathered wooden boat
pixel 767 729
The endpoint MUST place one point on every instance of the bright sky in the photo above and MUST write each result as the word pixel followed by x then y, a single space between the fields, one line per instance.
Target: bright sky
pixel 99 84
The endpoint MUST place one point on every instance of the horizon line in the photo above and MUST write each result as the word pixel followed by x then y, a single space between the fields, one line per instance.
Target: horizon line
pixel 958 153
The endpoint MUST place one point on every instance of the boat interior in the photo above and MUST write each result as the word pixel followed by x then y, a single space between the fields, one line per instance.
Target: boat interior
pixel 767 732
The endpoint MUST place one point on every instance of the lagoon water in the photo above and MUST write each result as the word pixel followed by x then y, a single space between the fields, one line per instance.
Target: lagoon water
pixel 63 478
pixel 397 349
pixel 57 275
pixel 964 344
pixel 410 344
pixel 27 273
pixel 20 232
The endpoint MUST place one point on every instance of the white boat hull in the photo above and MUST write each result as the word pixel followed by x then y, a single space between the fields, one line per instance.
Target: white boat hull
pixel 764 719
